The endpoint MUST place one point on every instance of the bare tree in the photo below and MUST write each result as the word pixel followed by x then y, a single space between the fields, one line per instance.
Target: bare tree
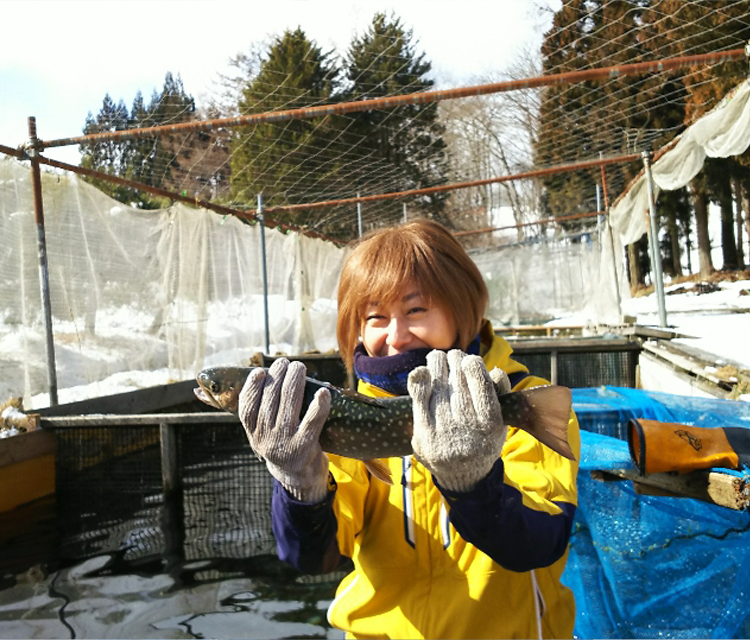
pixel 492 136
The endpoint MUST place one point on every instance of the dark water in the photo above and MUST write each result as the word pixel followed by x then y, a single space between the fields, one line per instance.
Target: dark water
pixel 110 556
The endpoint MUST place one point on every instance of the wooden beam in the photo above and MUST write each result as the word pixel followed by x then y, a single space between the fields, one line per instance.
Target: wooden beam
pixel 142 419
pixel 732 492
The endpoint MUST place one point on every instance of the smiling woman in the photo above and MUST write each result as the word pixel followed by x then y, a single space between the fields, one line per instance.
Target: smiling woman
pixel 409 322
pixel 388 269
pixel 482 511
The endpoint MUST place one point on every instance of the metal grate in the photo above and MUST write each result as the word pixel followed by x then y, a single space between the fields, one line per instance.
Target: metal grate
pixel 110 496
pixel 580 363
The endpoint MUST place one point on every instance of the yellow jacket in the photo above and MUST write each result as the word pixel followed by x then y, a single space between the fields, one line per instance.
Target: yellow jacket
pixel 415 577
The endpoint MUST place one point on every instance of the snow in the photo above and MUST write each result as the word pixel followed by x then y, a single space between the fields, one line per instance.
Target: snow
pixel 716 321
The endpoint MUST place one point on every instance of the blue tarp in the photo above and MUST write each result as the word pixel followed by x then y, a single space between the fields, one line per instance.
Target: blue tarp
pixel 653 567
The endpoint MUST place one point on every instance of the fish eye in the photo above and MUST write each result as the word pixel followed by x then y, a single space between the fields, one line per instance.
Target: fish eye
pixel 213 387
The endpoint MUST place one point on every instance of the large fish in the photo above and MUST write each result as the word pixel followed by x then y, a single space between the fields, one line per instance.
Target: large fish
pixel 366 428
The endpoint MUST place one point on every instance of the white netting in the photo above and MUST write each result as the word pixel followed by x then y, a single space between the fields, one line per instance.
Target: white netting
pixel 165 291
pixel 539 282
pixel 171 291
pixel 721 133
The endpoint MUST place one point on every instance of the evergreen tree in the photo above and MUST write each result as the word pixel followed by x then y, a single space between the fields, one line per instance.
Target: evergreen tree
pixel 108 157
pixel 276 159
pixel 565 49
pixel 170 106
pixel 596 115
pixel 152 161
pixel 393 149
pixel 700 27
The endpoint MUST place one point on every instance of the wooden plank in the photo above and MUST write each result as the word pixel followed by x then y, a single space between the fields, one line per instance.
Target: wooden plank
pixel 642 331
pixel 26 446
pixel 566 345
pixel 26 481
pixel 169 474
pixel 694 362
pixel 147 400
pixel 722 489
pixel 129 420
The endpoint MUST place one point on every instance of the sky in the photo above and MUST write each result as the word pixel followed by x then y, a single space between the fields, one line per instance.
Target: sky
pixel 58 58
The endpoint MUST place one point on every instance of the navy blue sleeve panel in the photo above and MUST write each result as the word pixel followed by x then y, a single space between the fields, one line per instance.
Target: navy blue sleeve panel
pixel 305 533
pixel 494 519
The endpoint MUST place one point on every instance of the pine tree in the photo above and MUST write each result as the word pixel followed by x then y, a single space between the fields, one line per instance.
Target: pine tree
pixel 275 159
pixel 152 161
pixel 701 27
pixel 595 114
pixel 565 49
pixel 108 157
pixel 401 148
pixel 164 164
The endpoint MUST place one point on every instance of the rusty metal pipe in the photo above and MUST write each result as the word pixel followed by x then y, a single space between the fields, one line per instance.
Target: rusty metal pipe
pixel 18 153
pixel 578 166
pixel 198 202
pixel 36 184
pixel 600 73
pixel 577 216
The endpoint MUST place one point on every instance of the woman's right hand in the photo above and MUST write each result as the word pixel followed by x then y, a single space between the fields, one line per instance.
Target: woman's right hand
pixel 269 409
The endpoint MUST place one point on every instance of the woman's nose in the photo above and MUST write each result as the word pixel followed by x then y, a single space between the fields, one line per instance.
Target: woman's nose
pixel 398 333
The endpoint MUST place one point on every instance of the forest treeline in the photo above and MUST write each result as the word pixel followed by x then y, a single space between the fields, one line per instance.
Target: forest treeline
pixel 393 150
pixel 295 161
pixel 622 32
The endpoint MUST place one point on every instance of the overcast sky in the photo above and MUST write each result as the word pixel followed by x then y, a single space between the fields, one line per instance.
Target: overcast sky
pixel 58 58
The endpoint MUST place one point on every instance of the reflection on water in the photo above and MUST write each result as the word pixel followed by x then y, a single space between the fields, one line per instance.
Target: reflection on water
pixel 82 601
pixel 111 556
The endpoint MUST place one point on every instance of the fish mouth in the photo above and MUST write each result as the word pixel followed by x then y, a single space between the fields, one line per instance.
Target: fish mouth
pixel 205 396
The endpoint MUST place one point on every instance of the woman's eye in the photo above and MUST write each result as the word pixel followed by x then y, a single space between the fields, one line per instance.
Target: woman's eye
pixel 414 310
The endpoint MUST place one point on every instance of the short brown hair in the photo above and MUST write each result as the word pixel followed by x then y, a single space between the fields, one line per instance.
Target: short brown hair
pixel 420 251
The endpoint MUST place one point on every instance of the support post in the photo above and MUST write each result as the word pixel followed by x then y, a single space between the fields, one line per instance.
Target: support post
pixel 359 217
pixel 406 217
pixel 173 508
pixel 653 241
pixel 168 441
pixel 553 366
pixel 262 223
pixel 36 183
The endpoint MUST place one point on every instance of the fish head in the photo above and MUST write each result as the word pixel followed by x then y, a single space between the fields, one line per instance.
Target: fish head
pixel 220 387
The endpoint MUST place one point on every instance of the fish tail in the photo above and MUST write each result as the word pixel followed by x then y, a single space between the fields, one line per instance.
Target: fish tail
pixel 546 417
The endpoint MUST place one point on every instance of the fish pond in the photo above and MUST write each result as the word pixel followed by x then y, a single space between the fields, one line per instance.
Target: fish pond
pixel 110 555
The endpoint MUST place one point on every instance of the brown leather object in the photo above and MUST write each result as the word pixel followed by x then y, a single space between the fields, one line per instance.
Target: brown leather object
pixel 658 447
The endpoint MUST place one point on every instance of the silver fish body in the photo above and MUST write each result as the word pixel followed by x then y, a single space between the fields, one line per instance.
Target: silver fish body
pixel 366 428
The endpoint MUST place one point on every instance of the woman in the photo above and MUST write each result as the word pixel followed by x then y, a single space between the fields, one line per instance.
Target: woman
pixel 471 538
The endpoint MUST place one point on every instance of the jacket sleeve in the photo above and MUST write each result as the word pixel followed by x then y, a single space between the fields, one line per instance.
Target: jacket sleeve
pixel 521 514
pixel 305 532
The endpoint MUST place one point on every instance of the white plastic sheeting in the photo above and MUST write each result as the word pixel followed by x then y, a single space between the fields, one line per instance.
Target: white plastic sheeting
pixel 166 291
pixel 722 132
pixel 577 281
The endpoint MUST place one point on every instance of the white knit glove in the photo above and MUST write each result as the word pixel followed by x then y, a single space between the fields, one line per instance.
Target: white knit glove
pixel 269 409
pixel 458 425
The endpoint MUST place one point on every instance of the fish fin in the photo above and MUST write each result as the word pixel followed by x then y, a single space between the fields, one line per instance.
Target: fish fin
pixel 548 417
pixel 380 470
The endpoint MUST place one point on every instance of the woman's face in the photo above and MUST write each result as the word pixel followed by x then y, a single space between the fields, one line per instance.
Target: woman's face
pixel 410 322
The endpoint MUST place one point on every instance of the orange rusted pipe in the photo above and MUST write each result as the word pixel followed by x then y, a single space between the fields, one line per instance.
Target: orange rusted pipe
pixel 576 216
pixel 198 202
pixel 579 166
pixel 600 73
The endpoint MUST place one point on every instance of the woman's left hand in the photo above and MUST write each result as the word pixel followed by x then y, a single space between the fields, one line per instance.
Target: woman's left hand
pixel 458 425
